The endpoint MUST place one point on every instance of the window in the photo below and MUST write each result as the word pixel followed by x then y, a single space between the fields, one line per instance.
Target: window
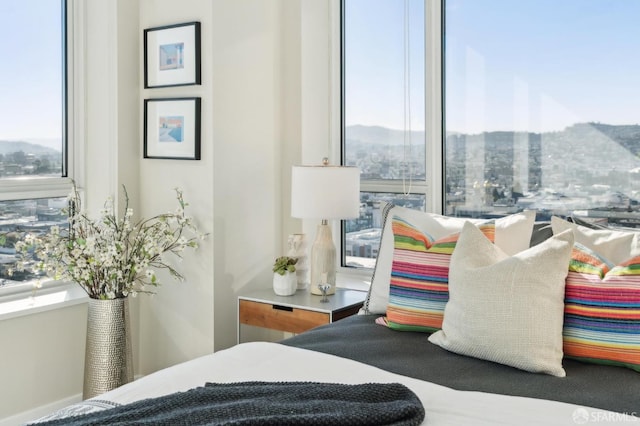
pixel 539 104
pixel 383 113
pixel 542 113
pixel 33 136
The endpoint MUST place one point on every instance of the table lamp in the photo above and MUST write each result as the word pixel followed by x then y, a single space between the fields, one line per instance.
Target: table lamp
pixel 324 192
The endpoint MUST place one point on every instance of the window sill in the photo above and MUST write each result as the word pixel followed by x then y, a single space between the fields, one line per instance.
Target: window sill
pixel 353 280
pixel 42 300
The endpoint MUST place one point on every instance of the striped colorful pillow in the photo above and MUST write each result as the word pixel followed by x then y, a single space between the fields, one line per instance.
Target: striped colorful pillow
pixel 602 310
pixel 418 290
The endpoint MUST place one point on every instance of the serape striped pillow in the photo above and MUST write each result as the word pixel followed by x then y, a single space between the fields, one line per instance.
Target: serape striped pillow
pixel 418 290
pixel 602 310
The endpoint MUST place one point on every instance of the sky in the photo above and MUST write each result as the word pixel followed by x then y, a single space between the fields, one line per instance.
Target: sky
pixel 374 63
pixel 30 89
pixel 536 65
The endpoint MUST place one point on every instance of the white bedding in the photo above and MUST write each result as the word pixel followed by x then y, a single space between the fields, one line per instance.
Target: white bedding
pixel 275 362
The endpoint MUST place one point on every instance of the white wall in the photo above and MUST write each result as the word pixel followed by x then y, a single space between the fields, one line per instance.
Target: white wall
pixel 235 189
pixel 176 324
pixel 248 141
pixel 41 358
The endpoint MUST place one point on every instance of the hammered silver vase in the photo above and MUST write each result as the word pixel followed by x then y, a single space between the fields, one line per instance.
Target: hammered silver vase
pixel 108 361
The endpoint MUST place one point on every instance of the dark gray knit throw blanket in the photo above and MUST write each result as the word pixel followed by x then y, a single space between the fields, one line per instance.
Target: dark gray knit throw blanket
pixel 268 403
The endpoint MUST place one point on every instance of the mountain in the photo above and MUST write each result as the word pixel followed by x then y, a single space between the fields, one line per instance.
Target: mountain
pixel 8 147
pixel 627 136
pixel 377 135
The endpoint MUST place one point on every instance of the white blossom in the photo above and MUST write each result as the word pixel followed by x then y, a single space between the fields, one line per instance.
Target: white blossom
pixel 111 257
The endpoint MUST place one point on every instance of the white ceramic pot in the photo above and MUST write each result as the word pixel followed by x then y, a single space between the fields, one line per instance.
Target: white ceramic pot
pixel 285 285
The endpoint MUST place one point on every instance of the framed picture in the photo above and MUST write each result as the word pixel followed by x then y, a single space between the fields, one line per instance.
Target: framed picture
pixel 172 128
pixel 172 55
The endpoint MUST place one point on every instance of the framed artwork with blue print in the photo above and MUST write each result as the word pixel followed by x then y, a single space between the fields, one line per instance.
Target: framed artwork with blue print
pixel 172 55
pixel 172 128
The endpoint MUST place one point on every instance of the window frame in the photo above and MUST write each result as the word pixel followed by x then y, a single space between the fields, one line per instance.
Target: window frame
pixel 73 118
pixel 435 120
pixel 433 186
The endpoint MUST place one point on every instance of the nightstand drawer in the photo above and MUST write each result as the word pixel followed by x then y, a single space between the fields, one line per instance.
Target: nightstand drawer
pixel 279 317
pixel 262 308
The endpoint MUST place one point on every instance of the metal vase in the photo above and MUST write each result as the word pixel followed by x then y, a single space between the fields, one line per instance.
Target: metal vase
pixel 108 361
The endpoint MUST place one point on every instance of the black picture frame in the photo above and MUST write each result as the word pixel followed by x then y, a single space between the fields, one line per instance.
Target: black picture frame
pixel 172 55
pixel 172 128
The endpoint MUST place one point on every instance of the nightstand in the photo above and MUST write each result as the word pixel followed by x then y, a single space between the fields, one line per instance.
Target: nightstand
pixel 297 313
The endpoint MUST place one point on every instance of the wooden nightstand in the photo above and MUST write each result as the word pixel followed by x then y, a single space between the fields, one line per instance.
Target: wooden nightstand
pixel 297 313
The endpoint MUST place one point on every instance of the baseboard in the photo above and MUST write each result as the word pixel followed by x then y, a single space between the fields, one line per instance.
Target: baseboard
pixel 36 413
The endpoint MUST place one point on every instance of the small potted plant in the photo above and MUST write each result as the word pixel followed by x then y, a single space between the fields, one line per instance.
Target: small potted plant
pixel 285 282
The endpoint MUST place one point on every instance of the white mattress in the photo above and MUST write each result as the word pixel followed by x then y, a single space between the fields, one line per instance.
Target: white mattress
pixel 275 362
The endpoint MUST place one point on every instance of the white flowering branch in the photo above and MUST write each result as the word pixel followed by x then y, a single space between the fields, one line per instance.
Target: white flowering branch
pixel 111 257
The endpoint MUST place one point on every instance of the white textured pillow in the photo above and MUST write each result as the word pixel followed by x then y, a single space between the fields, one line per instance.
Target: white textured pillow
pixel 507 309
pixel 513 234
pixel 616 246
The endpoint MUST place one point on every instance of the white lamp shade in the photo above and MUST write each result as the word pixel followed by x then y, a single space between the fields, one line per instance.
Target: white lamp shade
pixel 325 192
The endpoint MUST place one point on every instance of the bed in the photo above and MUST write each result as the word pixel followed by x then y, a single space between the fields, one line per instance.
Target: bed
pixel 451 388
pixel 454 390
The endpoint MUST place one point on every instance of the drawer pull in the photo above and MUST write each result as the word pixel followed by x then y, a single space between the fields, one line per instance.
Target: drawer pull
pixel 282 308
